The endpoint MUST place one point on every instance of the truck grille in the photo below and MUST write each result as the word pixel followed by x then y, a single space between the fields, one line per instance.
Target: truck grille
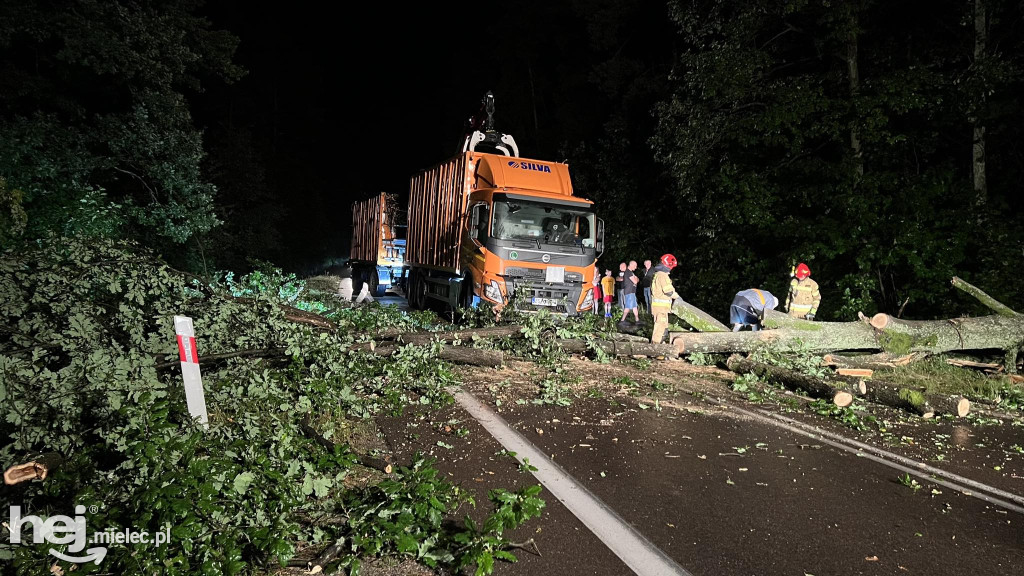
pixel 537 274
pixel 560 298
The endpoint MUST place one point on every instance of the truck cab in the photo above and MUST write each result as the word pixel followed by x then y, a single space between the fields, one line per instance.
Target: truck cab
pixel 538 243
pixel 488 225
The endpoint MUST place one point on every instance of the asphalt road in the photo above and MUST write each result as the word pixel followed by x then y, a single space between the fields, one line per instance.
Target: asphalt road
pixel 719 494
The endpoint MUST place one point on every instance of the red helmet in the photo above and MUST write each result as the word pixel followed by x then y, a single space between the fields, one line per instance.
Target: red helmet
pixel 668 261
pixel 802 271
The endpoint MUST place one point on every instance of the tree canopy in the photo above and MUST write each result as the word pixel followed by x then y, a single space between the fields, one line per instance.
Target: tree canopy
pixel 98 132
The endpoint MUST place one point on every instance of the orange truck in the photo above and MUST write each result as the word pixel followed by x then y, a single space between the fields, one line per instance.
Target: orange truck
pixel 491 226
pixel 378 243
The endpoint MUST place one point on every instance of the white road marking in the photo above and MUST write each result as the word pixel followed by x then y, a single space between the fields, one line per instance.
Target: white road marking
pixel 636 551
pixel 913 467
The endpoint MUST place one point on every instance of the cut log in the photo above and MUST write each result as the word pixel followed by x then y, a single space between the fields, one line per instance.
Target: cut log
pixel 936 336
pixel 955 405
pixel 455 354
pixel 699 319
pixel 858 372
pixel 37 468
pixel 852 384
pixel 420 338
pixel 901 398
pixel 617 348
pixel 872 361
pixel 791 379
pixel 972 364
pixel 993 304
pixel 385 465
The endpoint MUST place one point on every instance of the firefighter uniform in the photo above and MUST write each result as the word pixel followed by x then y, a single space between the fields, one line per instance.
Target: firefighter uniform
pixel 662 294
pixel 803 298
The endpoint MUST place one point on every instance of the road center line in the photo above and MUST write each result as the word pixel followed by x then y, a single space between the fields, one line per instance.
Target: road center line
pixel 956 482
pixel 636 551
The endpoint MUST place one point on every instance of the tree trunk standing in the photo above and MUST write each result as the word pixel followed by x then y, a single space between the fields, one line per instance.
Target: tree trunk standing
pixel 978 141
pixel 853 72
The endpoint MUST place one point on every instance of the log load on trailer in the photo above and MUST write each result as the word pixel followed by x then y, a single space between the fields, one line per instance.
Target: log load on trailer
pixel 378 243
pixel 490 226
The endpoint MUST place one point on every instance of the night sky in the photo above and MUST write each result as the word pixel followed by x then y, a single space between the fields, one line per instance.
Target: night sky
pixel 348 103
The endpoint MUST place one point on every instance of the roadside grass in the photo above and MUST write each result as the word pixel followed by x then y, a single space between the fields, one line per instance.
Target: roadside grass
pixel 935 376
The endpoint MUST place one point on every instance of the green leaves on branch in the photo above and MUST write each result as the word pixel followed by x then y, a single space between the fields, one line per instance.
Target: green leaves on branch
pixel 100 136
pixel 84 326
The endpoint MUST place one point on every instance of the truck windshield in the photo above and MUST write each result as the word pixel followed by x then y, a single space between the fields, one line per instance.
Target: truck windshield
pixel 543 222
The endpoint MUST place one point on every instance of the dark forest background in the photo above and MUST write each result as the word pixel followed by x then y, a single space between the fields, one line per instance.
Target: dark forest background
pixel 880 142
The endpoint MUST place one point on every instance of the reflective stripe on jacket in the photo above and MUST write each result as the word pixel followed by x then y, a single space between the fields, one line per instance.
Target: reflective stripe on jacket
pixel 803 297
pixel 662 291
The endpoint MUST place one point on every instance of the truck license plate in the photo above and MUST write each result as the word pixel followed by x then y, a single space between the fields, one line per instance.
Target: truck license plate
pixel 545 302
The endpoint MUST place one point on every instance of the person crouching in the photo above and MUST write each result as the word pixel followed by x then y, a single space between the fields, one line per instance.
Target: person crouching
pixel 748 308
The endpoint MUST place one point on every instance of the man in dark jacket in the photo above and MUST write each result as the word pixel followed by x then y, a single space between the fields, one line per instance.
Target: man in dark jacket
pixel 748 308
pixel 645 283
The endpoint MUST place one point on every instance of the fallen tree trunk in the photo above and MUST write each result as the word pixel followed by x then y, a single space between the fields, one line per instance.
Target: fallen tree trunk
pixel 902 398
pixel 456 354
pixel 299 316
pixel 949 404
pixel 816 387
pixel 37 468
pixel 421 338
pixel 936 336
pixel 617 348
pixel 921 403
pixel 699 319
pixel 622 337
pixel 882 332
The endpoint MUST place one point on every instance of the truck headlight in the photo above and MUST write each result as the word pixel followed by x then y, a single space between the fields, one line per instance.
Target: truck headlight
pixel 588 300
pixel 493 292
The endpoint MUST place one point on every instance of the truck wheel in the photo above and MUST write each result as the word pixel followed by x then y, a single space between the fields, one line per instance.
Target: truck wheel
pixel 417 291
pixel 375 288
pixel 411 284
pixel 466 292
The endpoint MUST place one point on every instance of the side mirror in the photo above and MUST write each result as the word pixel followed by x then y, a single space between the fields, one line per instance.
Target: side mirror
pixel 599 241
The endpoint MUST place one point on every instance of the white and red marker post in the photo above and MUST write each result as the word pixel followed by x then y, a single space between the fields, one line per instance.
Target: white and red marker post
pixel 194 395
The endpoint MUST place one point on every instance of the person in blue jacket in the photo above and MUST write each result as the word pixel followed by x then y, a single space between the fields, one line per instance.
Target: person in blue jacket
pixel 748 308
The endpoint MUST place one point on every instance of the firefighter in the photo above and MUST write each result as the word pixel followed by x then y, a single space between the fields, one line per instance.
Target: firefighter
pixel 803 298
pixel 662 295
pixel 748 308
